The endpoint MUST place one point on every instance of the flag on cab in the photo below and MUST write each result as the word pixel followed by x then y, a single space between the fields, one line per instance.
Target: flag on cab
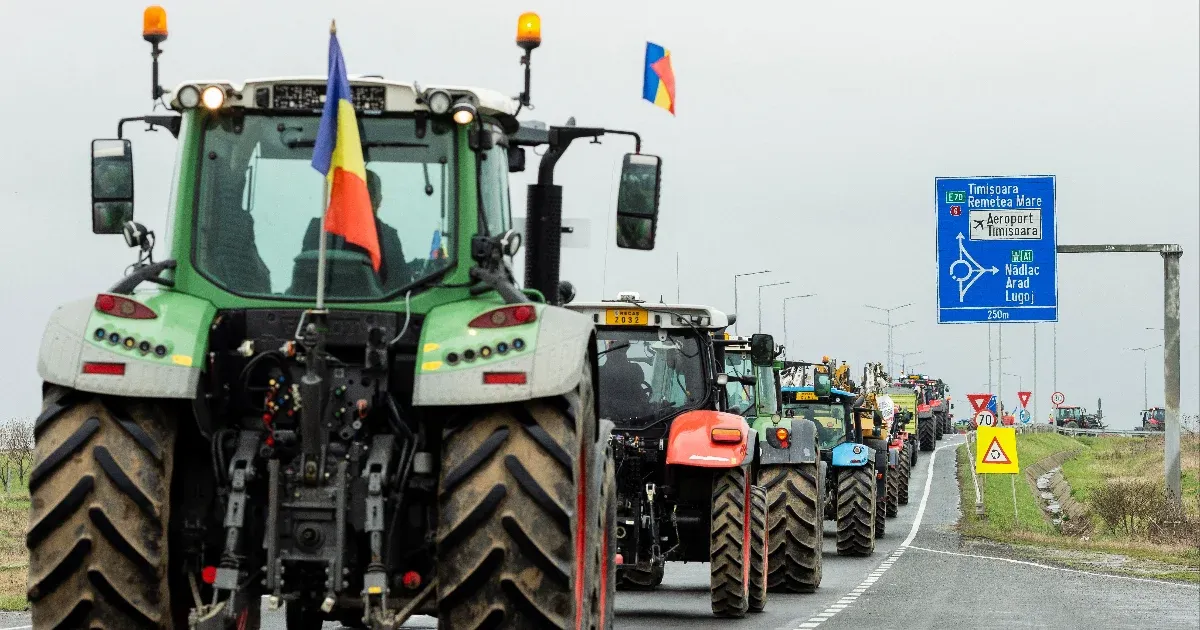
pixel 435 248
pixel 658 85
pixel 338 155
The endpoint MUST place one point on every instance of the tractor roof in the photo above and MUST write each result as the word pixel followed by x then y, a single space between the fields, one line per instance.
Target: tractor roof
pixel 808 388
pixel 604 313
pixel 371 93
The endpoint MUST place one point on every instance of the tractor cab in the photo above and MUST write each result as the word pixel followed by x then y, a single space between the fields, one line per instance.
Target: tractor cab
pixel 1154 419
pixel 656 361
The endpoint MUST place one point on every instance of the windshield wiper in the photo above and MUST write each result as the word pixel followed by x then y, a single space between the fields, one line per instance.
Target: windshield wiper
pixel 599 354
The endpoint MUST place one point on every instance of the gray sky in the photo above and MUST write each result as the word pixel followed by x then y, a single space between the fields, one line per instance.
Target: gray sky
pixel 807 141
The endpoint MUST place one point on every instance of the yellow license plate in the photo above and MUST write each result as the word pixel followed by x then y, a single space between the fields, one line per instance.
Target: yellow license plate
pixel 806 395
pixel 626 317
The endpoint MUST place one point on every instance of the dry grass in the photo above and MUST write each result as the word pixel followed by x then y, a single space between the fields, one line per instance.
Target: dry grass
pixel 14 560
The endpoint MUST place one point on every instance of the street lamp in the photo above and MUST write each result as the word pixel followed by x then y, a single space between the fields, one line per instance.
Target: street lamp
pixel 904 359
pixel 1145 381
pixel 735 291
pixel 890 327
pixel 785 301
pixel 760 288
pixel 999 385
pixel 1020 380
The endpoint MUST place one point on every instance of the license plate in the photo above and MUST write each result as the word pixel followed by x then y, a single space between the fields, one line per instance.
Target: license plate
pixel 626 317
pixel 806 395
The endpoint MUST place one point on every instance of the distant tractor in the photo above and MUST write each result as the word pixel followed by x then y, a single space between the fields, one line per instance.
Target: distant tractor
pixel 1154 419
pixel 1075 417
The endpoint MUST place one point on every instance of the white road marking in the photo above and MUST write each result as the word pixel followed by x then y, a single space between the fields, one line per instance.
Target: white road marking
pixel 17 628
pixel 1054 568
pixel 887 563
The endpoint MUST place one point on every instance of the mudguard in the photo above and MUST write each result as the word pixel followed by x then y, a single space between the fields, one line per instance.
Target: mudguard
pixel 545 355
pixel 845 455
pixel 802 441
pixel 160 357
pixel 689 442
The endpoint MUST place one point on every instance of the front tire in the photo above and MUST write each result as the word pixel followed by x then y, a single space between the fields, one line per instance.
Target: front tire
pixel 100 490
pixel 795 504
pixel 905 473
pixel 925 430
pixel 729 543
pixel 893 492
pixel 514 515
pixel 856 512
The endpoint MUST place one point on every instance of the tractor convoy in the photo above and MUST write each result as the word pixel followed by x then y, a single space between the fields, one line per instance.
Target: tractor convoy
pixel 360 418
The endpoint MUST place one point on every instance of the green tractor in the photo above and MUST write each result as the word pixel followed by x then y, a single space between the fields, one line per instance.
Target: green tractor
pixel 789 463
pixel 264 413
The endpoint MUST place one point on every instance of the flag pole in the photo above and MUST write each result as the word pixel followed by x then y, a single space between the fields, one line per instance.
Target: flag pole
pixel 322 251
pixel 322 254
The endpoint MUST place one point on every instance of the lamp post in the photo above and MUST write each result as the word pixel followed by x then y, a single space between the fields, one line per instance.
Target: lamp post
pixel 785 301
pixel 1145 380
pixel 904 359
pixel 760 288
pixel 735 292
pixel 890 327
pixel 999 396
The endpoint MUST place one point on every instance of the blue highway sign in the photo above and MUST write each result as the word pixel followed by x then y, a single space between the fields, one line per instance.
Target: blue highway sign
pixel 997 250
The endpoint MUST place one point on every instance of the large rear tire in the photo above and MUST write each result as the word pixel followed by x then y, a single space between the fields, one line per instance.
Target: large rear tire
pixel 926 430
pixel 758 549
pixel 893 492
pixel 905 473
pixel 795 515
pixel 939 426
pixel 608 549
pixel 729 543
pixel 881 507
pixel 856 512
pixel 100 489
pixel 516 524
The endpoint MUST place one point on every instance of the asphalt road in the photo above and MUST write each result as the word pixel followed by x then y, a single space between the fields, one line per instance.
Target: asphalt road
pixel 919 577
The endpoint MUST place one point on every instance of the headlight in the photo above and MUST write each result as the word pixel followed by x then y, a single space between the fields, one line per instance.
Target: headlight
pixel 439 101
pixel 189 96
pixel 463 112
pixel 213 96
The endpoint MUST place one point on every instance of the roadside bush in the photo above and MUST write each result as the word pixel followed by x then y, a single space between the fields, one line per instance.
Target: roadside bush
pixel 1139 508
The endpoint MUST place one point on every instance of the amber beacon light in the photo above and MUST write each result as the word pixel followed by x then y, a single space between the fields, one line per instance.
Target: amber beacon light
pixel 154 24
pixel 529 31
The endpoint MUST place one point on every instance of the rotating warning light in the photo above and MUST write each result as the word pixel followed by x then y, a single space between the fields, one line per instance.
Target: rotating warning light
pixel 529 31
pixel 213 97
pixel 154 24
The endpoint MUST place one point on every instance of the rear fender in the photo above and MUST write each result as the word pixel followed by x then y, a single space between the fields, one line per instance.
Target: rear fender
pixel 553 349
pixel 689 442
pixel 802 442
pixel 845 455
pixel 78 333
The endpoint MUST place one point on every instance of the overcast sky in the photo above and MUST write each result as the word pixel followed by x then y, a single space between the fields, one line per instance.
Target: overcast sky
pixel 807 141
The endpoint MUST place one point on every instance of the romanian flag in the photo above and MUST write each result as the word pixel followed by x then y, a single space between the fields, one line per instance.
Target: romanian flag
pixel 435 247
pixel 338 155
pixel 658 86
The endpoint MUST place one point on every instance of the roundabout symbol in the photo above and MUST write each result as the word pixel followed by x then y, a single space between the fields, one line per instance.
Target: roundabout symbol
pixel 969 271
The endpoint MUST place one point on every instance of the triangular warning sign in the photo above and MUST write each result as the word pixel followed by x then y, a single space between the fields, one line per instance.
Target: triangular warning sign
pixel 1024 398
pixel 995 453
pixel 978 401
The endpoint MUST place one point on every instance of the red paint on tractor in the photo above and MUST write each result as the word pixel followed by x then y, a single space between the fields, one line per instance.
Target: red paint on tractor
pixel 690 440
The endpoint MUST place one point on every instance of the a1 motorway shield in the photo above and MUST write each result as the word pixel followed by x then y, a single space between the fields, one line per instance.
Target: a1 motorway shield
pixel 996 249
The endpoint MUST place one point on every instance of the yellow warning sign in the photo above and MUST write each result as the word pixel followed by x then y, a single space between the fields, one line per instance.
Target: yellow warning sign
pixel 996 450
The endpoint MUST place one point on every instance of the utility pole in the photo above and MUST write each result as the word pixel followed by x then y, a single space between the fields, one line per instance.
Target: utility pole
pixel 990 391
pixel 1034 390
pixel 890 328
pixel 1171 253
pixel 1000 370
pixel 760 288
pixel 785 317
pixel 904 359
pixel 735 293
pixel 677 299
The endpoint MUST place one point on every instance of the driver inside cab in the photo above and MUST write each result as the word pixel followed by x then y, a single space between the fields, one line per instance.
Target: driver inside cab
pixel 393 269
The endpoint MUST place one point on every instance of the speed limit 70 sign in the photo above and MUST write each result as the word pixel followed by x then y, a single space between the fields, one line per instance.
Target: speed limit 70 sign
pixel 985 418
pixel 1058 398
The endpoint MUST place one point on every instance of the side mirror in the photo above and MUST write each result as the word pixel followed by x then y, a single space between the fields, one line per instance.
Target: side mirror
pixel 821 384
pixel 516 159
pixel 112 185
pixel 762 349
pixel 637 201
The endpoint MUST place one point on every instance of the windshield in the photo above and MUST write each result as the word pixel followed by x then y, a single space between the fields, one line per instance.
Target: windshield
pixel 831 422
pixel 260 201
pixel 645 374
pixel 741 397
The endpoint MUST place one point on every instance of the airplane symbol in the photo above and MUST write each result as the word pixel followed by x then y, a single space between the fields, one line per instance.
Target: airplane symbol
pixel 974 270
pixel 979 223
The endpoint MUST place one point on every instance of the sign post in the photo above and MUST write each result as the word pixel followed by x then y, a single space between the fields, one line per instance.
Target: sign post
pixel 997 256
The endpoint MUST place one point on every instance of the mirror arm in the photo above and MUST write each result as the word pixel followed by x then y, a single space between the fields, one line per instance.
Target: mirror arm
pixel 637 140
pixel 172 123
pixel 145 273
pixel 560 138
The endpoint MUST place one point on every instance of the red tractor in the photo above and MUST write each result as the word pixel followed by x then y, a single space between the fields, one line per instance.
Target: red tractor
pixel 686 467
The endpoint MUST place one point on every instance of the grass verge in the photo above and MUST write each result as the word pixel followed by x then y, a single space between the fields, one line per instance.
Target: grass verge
pixel 14 559
pixel 1027 525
